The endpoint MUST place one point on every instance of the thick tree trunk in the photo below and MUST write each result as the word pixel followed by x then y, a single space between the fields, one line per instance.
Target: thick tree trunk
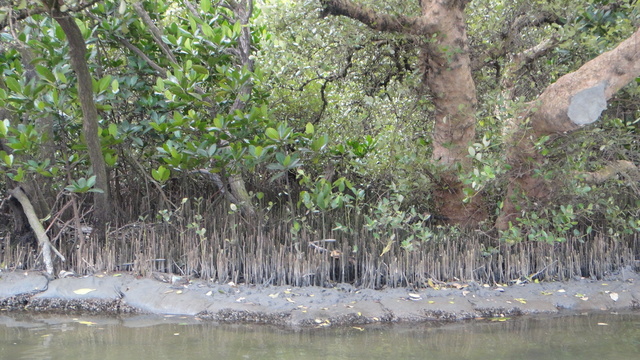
pixel 447 74
pixel 77 53
pixel 575 100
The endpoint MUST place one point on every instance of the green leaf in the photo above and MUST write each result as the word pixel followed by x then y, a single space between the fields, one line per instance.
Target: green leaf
pixel 13 85
pixel 319 143
pixel 110 159
pixel 272 134
pixel 309 128
pixel 205 5
pixel 200 69
pixel 4 127
pixel 45 73
pixel 113 130
pixel 161 174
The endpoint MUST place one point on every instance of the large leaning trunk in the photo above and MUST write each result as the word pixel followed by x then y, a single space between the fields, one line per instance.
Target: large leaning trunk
pixel 575 100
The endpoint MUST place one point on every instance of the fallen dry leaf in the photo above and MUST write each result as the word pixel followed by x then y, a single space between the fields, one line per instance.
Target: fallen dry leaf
pixel 614 296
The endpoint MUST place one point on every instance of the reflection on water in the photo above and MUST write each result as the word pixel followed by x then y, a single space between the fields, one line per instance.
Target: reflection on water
pixel 33 337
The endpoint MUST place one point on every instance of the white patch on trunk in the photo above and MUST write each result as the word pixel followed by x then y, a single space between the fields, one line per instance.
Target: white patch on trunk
pixel 587 105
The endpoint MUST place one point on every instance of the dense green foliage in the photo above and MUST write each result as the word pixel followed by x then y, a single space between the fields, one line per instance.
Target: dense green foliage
pixel 325 119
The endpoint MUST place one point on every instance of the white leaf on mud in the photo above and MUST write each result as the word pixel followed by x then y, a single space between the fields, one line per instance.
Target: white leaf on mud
pixel 603 324
pixel 415 296
pixel 209 293
pixel 562 290
pixel 273 296
pixel 614 296
pixel 240 299
pixel 289 300
pixel 83 291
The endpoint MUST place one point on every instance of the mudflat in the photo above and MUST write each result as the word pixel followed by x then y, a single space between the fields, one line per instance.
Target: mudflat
pixel 343 304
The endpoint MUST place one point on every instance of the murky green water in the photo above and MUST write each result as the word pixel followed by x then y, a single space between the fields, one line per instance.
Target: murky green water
pixel 24 336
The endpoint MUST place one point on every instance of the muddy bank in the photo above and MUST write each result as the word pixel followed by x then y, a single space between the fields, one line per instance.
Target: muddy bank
pixel 116 293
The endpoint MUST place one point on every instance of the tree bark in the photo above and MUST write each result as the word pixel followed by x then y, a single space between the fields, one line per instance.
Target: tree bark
pixel 574 101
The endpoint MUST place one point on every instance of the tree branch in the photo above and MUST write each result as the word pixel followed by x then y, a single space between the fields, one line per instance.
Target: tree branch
pixel 157 34
pixel 578 98
pixel 38 229
pixel 25 13
pixel 161 72
pixel 377 21
pixel 624 167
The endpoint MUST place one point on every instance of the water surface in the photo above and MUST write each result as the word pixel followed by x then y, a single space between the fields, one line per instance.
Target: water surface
pixel 34 337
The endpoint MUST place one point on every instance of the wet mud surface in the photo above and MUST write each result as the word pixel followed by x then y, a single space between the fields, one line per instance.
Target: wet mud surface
pixel 162 294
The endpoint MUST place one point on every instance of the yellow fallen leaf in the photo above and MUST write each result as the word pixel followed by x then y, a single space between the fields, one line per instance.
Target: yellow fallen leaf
pixel 83 291
pixel 387 248
pixel 358 328
pixel 546 292
pixel 521 300
pixel 432 285
pixel 431 302
pixel 289 300
pixel 179 292
pixel 273 296
pixel 116 275
pixel 88 323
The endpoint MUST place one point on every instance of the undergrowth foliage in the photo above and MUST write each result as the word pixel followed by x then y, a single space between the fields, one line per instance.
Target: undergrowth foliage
pixel 334 156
